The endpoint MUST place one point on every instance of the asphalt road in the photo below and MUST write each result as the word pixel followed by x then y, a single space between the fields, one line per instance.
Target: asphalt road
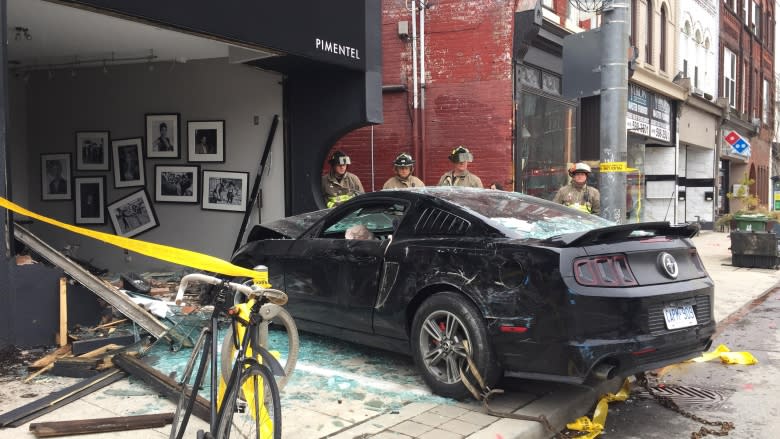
pixel 744 395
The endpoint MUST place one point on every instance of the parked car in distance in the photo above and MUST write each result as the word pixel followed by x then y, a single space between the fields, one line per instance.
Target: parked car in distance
pixel 530 288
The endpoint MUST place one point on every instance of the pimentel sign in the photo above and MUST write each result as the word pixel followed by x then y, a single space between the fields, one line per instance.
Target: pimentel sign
pixel 739 145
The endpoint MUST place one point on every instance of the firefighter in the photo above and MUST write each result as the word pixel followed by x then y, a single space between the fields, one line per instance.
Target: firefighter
pixel 577 194
pixel 459 175
pixel 338 185
pixel 403 165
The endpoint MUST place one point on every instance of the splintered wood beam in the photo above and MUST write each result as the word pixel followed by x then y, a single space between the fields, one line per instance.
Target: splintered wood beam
pixel 62 336
pixel 102 425
pixel 49 358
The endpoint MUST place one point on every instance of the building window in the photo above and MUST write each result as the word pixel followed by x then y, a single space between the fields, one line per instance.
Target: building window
pixel 685 68
pixel 549 4
pixel 649 41
pixel 662 49
pixel 633 23
pixel 730 77
pixel 765 103
pixel 696 77
pixel 746 11
pixel 755 22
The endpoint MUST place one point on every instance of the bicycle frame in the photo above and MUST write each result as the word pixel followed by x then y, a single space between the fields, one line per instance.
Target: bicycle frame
pixel 257 311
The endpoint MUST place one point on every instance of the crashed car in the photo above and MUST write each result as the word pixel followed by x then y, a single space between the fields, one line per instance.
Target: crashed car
pixel 526 287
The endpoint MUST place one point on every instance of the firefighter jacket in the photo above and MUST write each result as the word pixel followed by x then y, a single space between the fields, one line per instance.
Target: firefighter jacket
pixel 467 180
pixel 336 192
pixel 396 182
pixel 585 198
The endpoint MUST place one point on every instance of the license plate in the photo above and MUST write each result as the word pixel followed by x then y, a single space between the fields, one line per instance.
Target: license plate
pixel 679 316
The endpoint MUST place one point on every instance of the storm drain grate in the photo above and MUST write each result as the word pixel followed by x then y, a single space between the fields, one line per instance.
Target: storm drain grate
pixel 688 396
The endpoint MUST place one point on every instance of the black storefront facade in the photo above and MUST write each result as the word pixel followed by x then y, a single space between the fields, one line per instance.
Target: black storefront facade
pixel 329 56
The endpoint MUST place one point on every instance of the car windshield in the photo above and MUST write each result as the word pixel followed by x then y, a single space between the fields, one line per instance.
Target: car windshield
pixel 522 216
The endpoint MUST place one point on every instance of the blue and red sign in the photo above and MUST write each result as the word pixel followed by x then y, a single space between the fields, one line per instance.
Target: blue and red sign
pixel 738 143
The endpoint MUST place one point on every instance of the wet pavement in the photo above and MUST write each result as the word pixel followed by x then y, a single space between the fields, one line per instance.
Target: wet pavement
pixel 344 391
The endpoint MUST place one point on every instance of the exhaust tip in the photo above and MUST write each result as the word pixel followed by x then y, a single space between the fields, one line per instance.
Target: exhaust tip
pixel 605 371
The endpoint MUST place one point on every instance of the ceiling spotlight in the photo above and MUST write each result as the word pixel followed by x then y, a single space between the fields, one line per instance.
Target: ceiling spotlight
pixel 51 74
pixel 151 66
pixel 26 77
pixel 105 69
pixel 73 73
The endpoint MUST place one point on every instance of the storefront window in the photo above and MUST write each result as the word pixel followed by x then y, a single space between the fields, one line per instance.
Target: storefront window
pixel 547 142
pixel 635 184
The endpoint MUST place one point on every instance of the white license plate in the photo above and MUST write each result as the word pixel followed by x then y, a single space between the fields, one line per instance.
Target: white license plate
pixel 679 316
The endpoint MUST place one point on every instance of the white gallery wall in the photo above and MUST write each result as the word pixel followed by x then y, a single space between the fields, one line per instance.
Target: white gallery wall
pixel 47 108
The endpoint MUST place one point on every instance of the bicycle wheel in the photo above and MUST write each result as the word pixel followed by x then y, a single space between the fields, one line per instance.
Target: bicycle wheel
pixel 188 394
pixel 283 339
pixel 241 416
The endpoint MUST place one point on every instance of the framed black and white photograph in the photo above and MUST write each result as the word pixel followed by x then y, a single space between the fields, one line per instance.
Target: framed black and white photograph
pixel 176 184
pixel 90 200
pixel 128 162
pixel 224 190
pixel 132 214
pixel 92 150
pixel 162 136
pixel 206 140
pixel 55 177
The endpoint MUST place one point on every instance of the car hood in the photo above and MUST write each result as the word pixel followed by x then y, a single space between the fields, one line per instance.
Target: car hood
pixel 294 226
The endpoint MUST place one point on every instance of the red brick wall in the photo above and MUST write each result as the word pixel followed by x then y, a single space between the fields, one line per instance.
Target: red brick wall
pixel 468 95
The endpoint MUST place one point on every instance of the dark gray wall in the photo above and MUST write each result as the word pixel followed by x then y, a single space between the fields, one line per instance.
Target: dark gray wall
pixel 117 101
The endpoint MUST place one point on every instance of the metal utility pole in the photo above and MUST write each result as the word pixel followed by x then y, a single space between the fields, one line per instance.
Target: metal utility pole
pixel 614 100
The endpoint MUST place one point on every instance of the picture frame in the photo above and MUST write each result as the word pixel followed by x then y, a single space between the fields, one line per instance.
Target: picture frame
pixel 225 190
pixel 92 150
pixel 206 141
pixel 176 184
pixel 132 214
pixel 90 196
pixel 128 162
pixel 56 177
pixel 162 135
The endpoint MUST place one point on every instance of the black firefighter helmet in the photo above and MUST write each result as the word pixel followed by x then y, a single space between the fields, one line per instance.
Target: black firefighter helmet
pixel 339 158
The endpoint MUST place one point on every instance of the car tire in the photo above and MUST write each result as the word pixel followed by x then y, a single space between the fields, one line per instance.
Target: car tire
pixel 440 367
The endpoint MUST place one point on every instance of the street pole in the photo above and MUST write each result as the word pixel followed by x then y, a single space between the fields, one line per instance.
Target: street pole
pixel 614 101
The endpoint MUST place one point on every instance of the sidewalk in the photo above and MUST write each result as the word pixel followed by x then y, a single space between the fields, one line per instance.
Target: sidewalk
pixel 317 418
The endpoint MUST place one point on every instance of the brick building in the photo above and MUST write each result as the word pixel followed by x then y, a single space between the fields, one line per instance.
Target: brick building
pixel 747 83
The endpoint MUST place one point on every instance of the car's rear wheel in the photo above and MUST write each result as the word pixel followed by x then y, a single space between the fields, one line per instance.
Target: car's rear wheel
pixel 442 327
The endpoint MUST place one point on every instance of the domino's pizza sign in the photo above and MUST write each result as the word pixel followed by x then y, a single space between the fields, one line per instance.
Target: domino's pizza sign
pixel 738 143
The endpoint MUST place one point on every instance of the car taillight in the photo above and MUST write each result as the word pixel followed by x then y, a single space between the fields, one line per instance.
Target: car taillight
pixel 697 262
pixel 604 271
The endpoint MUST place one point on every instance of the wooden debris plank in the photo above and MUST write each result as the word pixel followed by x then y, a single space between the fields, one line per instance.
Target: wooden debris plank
pixel 49 358
pixel 102 425
pixel 160 382
pixel 34 409
pixel 62 335
pixel 85 346
pixel 109 324
pixel 103 350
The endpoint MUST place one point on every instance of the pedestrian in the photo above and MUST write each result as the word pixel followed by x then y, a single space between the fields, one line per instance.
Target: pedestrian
pixel 338 185
pixel 577 194
pixel 403 165
pixel 459 175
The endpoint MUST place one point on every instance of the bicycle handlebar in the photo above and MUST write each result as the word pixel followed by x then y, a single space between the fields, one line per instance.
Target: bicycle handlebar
pixel 274 296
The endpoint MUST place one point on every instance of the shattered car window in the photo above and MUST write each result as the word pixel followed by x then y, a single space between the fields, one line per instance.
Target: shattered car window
pixel 526 217
pixel 377 218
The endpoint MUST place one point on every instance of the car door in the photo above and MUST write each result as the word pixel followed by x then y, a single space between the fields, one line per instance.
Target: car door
pixel 335 279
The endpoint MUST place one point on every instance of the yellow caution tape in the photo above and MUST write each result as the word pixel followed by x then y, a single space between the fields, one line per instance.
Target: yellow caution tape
pixel 727 357
pixel 596 426
pixel 615 167
pixel 175 255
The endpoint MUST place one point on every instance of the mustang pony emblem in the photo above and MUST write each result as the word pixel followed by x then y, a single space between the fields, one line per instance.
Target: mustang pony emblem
pixel 668 265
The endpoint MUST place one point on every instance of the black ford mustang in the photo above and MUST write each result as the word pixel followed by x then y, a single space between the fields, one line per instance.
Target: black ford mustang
pixel 528 287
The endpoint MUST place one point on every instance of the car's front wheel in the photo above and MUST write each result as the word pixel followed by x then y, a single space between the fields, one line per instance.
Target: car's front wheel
pixel 442 328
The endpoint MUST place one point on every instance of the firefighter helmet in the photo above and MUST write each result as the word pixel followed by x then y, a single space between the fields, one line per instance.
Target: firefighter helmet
pixel 339 158
pixel 403 160
pixel 579 167
pixel 461 154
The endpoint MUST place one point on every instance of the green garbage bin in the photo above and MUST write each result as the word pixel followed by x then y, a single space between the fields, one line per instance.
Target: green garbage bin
pixel 751 223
